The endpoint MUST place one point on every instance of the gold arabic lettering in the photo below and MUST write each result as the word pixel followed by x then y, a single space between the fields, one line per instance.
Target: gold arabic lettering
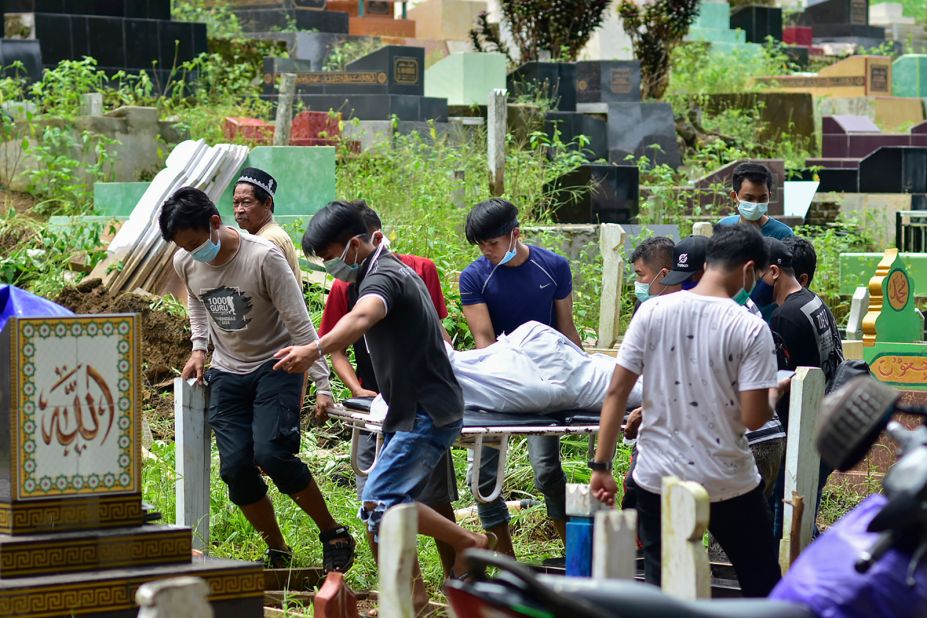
pixel 66 423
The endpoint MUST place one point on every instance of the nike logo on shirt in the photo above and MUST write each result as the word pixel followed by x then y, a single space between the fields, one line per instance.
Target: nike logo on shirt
pixel 545 285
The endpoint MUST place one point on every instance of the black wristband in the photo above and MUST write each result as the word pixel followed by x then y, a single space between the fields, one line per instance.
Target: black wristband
pixel 600 466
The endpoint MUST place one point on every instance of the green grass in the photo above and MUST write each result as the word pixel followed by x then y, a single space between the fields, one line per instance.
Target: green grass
pixel 326 451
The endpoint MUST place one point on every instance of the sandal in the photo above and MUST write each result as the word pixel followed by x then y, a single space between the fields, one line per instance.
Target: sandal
pixel 278 558
pixel 337 549
pixel 467 576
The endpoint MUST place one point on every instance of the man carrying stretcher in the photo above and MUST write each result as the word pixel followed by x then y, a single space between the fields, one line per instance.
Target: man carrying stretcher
pixel 397 318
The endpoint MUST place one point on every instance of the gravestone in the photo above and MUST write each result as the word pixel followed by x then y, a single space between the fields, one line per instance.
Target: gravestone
pixel 839 180
pixel 758 22
pixel 552 80
pixel 28 52
pixel 446 20
pixel 642 129
pixel 596 193
pixel 119 35
pixel 798 35
pixel 894 169
pixel 607 81
pixel 572 125
pixel 841 21
pixel 893 329
pixel 465 78
pixel 288 18
pixel 713 25
pixel 387 82
pixel 72 539
pixel 852 77
pixel 909 76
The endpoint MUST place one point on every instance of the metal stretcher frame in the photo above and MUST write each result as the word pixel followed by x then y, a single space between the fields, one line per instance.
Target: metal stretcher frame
pixel 473 438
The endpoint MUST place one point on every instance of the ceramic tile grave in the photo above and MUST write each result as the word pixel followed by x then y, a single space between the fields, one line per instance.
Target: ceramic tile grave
pixel 909 76
pixel 466 78
pixel 71 535
pixel 852 77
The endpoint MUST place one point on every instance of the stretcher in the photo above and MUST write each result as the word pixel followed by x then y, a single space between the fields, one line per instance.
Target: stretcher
pixel 480 428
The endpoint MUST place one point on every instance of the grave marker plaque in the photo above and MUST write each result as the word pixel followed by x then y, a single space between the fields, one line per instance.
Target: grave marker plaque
pixel 71 406
pixel 607 81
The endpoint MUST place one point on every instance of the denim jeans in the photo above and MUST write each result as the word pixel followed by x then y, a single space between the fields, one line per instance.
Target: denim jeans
pixel 405 465
pixel 544 454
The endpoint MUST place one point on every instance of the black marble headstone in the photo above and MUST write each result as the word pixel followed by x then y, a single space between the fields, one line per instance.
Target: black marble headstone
pixel 377 106
pixel 572 125
pixel 606 81
pixel 144 43
pixel 894 169
pixel 270 19
pixel 642 129
pixel 758 22
pixel 26 51
pixel 55 35
pixel 840 19
pixel 597 193
pixel 838 180
pixel 553 80
pixel 106 38
pixel 390 70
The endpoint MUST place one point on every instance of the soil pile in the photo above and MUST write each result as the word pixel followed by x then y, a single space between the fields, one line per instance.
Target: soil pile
pixel 165 337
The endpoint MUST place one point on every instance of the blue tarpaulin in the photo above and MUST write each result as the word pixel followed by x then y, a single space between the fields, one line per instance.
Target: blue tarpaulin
pixel 16 303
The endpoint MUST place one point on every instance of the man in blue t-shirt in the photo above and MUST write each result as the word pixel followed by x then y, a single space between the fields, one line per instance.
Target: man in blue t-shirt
pixel 511 284
pixel 752 187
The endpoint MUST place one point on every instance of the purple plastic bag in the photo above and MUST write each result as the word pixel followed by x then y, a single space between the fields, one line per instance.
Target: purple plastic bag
pixel 16 303
pixel 824 580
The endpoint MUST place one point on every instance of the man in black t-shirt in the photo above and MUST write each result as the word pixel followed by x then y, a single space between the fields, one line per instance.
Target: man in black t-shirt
pixel 804 332
pixel 397 318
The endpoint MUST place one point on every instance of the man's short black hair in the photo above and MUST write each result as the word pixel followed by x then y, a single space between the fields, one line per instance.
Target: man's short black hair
pixel 338 222
pixel 755 173
pixel 804 257
pixel 186 209
pixel 259 194
pixel 732 246
pixel 656 252
pixel 370 216
pixel 490 219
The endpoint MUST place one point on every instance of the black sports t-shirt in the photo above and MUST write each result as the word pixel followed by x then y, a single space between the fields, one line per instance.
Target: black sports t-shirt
pixel 805 334
pixel 406 347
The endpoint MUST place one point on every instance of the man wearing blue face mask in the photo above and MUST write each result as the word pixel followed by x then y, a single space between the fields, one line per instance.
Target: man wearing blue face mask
pixel 652 260
pixel 751 191
pixel 511 284
pixel 243 296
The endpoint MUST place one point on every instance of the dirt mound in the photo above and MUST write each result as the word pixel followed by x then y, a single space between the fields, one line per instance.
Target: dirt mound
pixel 165 336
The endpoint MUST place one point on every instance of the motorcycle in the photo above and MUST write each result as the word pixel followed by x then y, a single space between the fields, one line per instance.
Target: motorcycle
pixel 867 565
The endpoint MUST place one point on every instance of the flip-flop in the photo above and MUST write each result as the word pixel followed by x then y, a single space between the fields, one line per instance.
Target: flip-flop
pixel 493 540
pixel 337 549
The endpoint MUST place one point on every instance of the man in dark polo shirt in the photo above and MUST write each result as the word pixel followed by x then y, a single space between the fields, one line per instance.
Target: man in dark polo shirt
pixel 397 318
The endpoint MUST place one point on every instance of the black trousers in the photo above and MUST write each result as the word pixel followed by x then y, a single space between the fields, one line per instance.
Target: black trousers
pixel 741 525
pixel 255 418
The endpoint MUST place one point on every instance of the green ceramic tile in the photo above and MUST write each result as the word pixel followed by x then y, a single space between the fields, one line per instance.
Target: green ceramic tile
pixel 909 76
pixel 466 78
pixel 117 199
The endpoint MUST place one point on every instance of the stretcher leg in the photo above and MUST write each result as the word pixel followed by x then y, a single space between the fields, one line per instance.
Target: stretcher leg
pixel 477 447
pixel 355 444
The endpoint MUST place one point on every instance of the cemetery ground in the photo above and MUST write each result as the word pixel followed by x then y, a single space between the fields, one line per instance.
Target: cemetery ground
pixel 415 185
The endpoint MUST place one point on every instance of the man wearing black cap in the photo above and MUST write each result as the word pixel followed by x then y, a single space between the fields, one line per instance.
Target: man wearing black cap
pixel 688 262
pixel 253 203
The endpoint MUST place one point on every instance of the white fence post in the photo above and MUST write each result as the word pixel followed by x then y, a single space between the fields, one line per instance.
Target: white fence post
pixel 614 545
pixel 684 560
pixel 611 242
pixel 397 557
pixel 192 455
pixel 179 597
pixel 802 464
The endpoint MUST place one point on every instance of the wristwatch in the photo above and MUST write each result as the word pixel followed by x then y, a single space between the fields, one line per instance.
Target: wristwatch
pixel 600 466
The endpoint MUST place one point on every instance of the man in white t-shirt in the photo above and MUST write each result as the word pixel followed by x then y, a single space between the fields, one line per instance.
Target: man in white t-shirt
pixel 709 367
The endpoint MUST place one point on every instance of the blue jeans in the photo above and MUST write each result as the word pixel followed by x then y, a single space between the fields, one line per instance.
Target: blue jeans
pixel 405 464
pixel 544 454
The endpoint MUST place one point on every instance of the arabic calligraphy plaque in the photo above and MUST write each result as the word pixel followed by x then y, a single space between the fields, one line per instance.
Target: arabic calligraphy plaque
pixel 75 421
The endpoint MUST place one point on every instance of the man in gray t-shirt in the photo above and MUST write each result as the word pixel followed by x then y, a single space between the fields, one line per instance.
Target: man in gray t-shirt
pixel 243 296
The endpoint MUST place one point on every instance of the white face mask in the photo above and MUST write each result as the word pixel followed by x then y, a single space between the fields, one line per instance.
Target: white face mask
pixel 752 211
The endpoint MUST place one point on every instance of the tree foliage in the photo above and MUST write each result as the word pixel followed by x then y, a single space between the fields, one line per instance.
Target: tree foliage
pixel 655 28
pixel 561 27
